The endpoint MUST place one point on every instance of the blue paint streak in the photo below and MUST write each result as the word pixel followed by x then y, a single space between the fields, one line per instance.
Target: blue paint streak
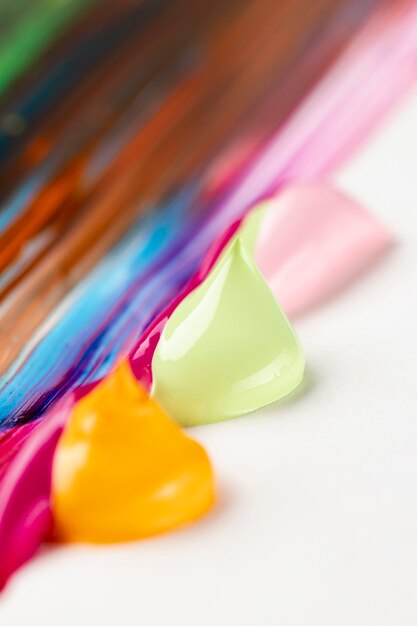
pixel 80 336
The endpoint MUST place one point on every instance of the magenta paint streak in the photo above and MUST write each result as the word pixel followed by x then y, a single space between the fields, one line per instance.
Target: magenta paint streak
pixel 25 511
pixel 10 442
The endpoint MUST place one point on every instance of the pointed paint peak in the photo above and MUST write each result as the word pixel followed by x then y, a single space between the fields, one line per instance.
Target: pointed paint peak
pixel 123 469
pixel 251 225
pixel 227 349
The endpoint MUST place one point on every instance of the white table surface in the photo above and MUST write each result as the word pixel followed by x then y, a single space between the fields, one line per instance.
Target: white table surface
pixel 316 522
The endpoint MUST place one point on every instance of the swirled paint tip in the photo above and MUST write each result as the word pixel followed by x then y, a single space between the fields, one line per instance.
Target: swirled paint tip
pixel 123 470
pixel 227 349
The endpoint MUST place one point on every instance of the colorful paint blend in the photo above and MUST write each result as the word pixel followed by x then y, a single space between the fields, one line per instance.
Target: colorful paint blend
pixel 160 206
pixel 225 349
pixel 118 141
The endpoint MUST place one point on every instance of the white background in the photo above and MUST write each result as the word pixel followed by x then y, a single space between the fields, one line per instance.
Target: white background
pixel 316 521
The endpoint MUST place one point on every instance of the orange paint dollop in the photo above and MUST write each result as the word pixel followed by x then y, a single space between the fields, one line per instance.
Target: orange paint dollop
pixel 124 470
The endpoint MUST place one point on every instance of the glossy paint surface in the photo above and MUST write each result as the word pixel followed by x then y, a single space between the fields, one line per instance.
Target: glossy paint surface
pixel 142 355
pixel 125 146
pixel 124 470
pixel 227 349
pixel 97 154
pixel 25 514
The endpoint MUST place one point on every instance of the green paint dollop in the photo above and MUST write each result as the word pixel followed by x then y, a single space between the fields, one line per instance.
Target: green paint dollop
pixel 227 349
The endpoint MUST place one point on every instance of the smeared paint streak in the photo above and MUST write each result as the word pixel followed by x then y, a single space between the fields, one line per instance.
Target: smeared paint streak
pixel 25 514
pixel 343 101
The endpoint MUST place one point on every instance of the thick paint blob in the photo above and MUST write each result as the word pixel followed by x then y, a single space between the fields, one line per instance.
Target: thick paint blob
pixel 124 470
pixel 310 241
pixel 227 349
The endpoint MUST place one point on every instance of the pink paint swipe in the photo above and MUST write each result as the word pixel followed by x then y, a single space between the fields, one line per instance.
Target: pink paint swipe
pixel 312 242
